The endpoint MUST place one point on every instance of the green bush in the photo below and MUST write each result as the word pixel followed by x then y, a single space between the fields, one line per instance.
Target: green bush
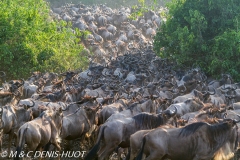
pixel 202 33
pixel 30 40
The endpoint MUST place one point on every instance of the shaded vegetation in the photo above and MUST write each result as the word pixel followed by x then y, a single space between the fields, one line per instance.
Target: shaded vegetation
pixel 202 33
pixel 30 40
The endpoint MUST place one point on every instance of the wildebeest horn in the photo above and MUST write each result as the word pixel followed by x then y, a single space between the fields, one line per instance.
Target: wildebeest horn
pixel 104 74
pixel 182 91
pixel 174 112
pixel 3 74
pixel 238 116
pixel 89 74
pixel 236 120
pixel 32 104
pixel 225 116
pixel 97 95
pixel 211 93
pixel 224 87
pixel 234 87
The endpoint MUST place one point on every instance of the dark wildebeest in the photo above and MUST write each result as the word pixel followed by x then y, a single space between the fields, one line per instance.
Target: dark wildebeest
pixel 190 105
pixel 134 109
pixel 41 131
pixel 6 97
pixel 111 109
pixel 117 133
pixel 136 141
pixel 194 142
pixel 11 118
pixel 85 117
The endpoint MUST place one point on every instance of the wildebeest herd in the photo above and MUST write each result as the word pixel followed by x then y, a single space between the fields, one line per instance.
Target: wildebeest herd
pixel 112 32
pixel 136 105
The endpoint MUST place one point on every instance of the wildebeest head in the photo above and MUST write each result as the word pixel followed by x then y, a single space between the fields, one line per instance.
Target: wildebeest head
pixel 6 97
pixel 15 86
pixel 226 79
pixel 55 116
pixel 35 76
pixel 69 75
pixel 91 114
pixel 167 114
pixel 195 104
pixel 192 79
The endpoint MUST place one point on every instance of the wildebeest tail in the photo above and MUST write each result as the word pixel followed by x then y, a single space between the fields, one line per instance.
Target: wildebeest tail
pixel 91 155
pixel 21 142
pixel 139 156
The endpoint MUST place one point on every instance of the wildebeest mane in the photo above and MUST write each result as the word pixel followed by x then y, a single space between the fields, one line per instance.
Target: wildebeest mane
pixel 133 106
pixel 147 121
pixel 191 129
pixel 218 134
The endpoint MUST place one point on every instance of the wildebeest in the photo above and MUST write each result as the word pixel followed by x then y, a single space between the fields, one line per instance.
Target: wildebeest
pixel 136 141
pixel 111 109
pixel 6 97
pixel 190 105
pixel 193 142
pixel 117 133
pixel 134 109
pixel 11 119
pixel 85 117
pixel 41 131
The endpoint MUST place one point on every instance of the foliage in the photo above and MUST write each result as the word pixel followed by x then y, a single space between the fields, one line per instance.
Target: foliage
pixel 142 7
pixel 202 33
pixel 30 40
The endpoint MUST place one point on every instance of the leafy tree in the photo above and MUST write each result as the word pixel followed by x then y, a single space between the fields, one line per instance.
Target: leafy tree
pixel 31 40
pixel 203 33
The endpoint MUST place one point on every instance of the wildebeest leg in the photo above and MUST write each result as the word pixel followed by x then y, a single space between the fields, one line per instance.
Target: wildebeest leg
pixel 10 137
pixel 57 145
pixel 47 146
pixel 33 147
pixel 128 154
pixel 133 153
pixel 108 149
pixel 154 155
pixel 120 151
pixel 39 148
pixel 15 139
pixel 1 133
